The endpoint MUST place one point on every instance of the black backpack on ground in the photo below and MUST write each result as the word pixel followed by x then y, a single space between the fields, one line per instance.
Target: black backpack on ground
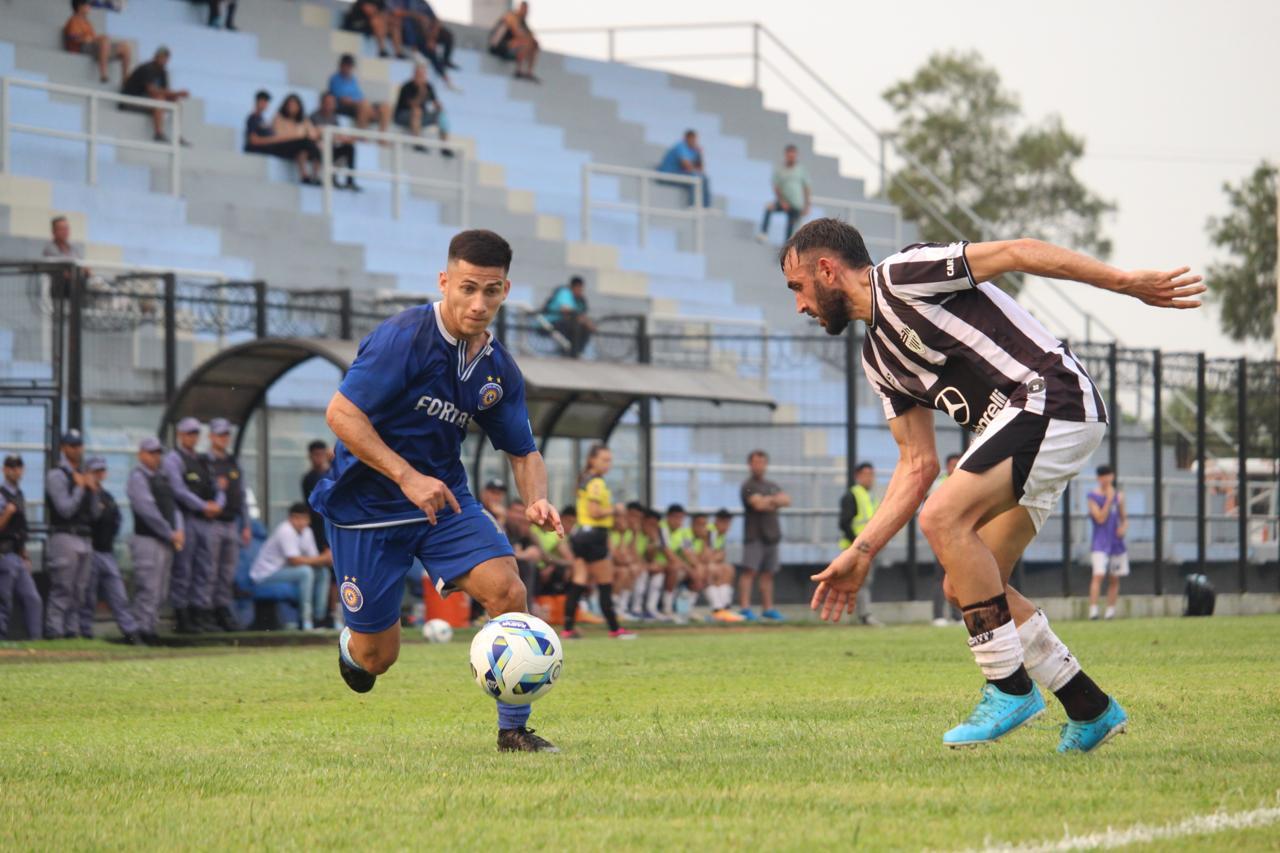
pixel 1200 596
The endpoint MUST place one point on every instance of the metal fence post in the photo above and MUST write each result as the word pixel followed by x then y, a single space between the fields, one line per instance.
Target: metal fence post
pixel 1113 413
pixel 644 210
pixel 259 308
pixel 1201 484
pixel 344 316
pixel 170 337
pixel 911 559
pixel 1242 472
pixel 1157 468
pixel 75 277
pixel 326 169
pixel 645 356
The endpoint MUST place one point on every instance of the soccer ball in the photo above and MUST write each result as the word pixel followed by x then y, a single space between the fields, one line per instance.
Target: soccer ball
pixel 437 631
pixel 516 658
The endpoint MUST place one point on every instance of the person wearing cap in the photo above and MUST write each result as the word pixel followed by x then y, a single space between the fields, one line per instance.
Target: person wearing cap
pixel 105 581
pixel 15 567
pixel 72 504
pixel 158 534
pixel 228 531
pixel 197 496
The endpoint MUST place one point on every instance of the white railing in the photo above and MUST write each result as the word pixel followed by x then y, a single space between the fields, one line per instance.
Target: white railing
pixel 92 136
pixel 644 208
pixel 180 272
pixel 397 176
pixel 851 209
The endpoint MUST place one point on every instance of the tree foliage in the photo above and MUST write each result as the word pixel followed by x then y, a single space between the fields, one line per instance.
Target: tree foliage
pixel 1244 287
pixel 955 118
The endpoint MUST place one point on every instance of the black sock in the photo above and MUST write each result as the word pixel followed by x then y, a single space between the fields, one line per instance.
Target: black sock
pixel 1082 699
pixel 605 591
pixel 983 617
pixel 573 594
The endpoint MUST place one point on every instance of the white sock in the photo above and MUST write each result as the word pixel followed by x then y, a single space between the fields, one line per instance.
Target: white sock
pixel 655 593
pixel 622 600
pixel 1048 660
pixel 640 587
pixel 343 639
pixel 998 652
pixel 1110 614
pixel 726 595
pixel 668 599
pixel 713 597
pixel 1093 611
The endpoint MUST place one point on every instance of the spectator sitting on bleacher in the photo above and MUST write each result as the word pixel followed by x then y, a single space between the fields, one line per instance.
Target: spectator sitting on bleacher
pixel 288 556
pixel 566 312
pixel 351 102
pixel 422 30
pixel 286 137
pixel 685 158
pixel 79 36
pixel 344 147
pixel 151 80
pixel 370 17
pixel 512 40
pixel 215 14
pixel 791 194
pixel 417 106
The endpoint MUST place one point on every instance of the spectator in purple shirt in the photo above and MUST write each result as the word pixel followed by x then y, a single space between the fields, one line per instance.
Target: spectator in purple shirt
pixel 1110 555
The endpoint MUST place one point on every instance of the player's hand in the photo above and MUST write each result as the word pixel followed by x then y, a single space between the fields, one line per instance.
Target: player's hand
pixel 428 494
pixel 179 539
pixel 541 512
pixel 211 509
pixel 1171 289
pixel 838 583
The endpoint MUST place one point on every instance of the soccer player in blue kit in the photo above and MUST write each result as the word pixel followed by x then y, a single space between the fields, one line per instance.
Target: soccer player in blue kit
pixel 398 489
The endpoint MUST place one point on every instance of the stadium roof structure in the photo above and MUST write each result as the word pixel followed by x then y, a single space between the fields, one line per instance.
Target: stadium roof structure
pixel 567 398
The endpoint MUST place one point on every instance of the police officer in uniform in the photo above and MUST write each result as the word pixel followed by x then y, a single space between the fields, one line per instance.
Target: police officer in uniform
pixel 104 577
pixel 199 500
pixel 15 568
pixel 72 505
pixel 228 531
pixel 157 536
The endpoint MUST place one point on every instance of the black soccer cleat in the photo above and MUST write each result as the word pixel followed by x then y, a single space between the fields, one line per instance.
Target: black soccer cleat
pixel 523 740
pixel 357 679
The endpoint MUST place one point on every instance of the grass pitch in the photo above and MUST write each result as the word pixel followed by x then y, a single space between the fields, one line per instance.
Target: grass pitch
pixel 772 738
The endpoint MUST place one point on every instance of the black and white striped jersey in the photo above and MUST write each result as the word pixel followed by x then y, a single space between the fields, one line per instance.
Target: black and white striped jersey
pixel 940 339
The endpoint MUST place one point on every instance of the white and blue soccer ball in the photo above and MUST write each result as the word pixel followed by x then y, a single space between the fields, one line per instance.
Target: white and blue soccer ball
pixel 437 631
pixel 516 658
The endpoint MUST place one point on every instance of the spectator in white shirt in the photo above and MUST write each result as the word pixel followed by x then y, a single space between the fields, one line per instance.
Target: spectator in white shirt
pixel 290 556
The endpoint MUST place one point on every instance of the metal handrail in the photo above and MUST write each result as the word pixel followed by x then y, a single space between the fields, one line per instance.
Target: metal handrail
pixel 397 176
pixel 643 208
pixel 8 127
pixel 886 141
pixel 180 272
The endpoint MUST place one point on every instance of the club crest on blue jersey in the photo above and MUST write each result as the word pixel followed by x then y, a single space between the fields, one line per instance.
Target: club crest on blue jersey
pixel 490 392
pixel 352 597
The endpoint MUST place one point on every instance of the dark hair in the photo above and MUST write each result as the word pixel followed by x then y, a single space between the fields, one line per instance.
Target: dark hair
pixel 577 279
pixel 262 95
pixel 76 4
pixel 757 452
pixel 698 515
pixel 791 147
pixel 347 59
pixel 862 466
pixel 652 514
pixel 691 132
pixel 315 445
pixel 299 508
pixel 586 476
pixel 569 510
pixel 13 461
pixel 482 248
pixel 675 508
pixel 1105 469
pixel 292 98
pixel 723 513
pixel 832 234
pixel 57 219
pixel 635 506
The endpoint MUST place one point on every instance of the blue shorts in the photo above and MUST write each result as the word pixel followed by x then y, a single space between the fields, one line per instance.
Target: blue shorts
pixel 370 563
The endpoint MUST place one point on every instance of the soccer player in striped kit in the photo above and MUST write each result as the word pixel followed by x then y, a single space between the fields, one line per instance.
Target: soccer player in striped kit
pixel 940 336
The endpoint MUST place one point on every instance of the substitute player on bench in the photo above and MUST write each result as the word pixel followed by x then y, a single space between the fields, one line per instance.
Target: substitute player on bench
pixel 940 336
pixel 398 490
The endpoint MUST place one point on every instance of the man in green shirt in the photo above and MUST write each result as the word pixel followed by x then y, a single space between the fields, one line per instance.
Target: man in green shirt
pixel 856 510
pixel 791 194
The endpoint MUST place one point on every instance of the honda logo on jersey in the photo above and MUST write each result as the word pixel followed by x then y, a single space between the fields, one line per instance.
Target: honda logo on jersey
pixel 912 340
pixel 951 401
pixel 444 410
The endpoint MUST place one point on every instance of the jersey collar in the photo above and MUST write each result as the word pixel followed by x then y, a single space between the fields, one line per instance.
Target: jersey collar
pixel 465 368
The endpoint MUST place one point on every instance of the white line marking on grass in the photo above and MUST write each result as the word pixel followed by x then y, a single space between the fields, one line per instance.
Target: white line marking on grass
pixel 1143 833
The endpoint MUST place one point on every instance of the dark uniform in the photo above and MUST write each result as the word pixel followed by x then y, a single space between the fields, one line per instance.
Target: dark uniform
pixel 155 520
pixel 105 581
pixel 71 511
pixel 224 540
pixel 193 487
pixel 15 578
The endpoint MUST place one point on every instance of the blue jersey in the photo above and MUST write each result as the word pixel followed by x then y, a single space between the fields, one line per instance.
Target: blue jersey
pixel 413 381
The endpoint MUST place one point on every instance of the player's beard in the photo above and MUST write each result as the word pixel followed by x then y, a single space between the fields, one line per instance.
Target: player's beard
pixel 835 308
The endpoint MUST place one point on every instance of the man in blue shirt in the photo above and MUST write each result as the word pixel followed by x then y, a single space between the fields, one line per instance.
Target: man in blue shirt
pixel 398 490
pixel 566 312
pixel 685 158
pixel 344 86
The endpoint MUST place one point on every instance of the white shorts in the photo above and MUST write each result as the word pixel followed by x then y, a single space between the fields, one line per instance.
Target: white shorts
pixel 1110 564
pixel 1047 454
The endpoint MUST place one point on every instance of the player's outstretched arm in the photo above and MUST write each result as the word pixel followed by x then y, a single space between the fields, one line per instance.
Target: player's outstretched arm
pixel 917 468
pixel 357 432
pixel 1161 288
pixel 531 481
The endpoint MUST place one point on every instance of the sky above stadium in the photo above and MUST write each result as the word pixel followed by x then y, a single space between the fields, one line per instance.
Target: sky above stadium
pixel 1166 95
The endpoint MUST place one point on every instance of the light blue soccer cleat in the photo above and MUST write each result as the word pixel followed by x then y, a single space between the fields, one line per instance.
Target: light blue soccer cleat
pixel 1091 734
pixel 997 714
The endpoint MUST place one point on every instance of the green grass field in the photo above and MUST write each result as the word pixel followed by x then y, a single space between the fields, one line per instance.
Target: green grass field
pixel 772 738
